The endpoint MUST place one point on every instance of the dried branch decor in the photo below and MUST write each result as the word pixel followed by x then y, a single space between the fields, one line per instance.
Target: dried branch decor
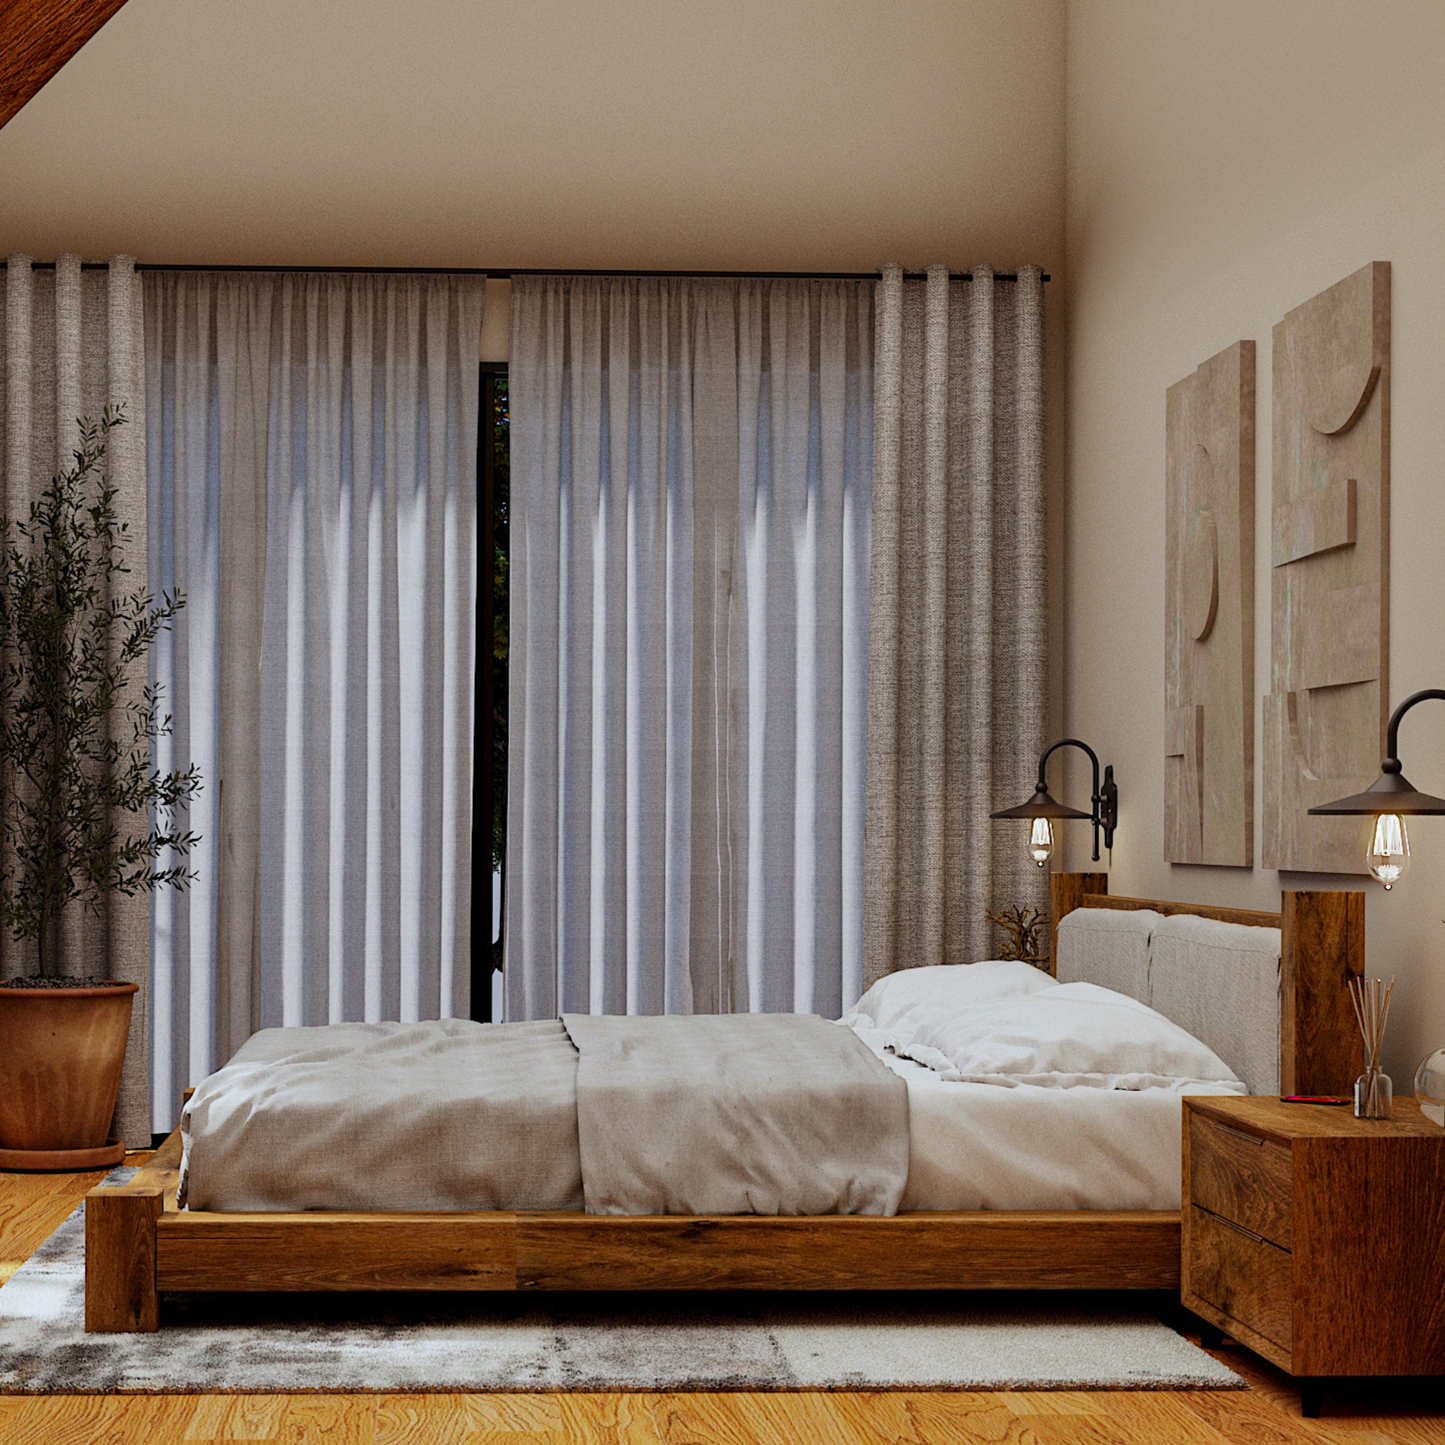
pixel 1024 927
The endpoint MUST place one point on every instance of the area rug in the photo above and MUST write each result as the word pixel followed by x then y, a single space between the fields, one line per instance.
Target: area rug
pixel 483 1342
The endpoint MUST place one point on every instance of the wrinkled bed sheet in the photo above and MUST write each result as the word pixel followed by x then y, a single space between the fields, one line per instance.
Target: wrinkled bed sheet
pixel 772 1114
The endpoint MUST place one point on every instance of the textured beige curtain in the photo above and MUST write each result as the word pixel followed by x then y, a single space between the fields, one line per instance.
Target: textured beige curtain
pixel 72 346
pixel 957 627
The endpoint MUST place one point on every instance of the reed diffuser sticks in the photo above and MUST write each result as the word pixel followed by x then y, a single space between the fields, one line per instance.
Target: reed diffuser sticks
pixel 1373 1090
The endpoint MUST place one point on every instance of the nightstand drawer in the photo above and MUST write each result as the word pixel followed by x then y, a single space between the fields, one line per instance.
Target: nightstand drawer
pixel 1241 1177
pixel 1250 1279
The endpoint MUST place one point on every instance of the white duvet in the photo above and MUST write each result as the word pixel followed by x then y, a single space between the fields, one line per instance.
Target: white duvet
pixel 714 1114
pixel 1024 1093
pixel 977 1146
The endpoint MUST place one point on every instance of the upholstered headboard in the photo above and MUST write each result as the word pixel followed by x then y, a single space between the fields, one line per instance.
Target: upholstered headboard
pixel 1266 991
pixel 1220 981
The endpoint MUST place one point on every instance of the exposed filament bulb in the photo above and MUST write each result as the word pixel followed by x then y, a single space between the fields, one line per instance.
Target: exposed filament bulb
pixel 1389 854
pixel 1041 841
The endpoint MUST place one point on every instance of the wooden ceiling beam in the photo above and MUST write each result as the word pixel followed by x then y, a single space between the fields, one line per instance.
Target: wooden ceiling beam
pixel 37 37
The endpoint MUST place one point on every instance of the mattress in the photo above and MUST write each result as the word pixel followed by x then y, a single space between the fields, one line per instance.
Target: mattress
pixel 970 1146
pixel 1016 1092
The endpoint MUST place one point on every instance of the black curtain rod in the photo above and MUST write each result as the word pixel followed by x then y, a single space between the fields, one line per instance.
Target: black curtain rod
pixel 505 274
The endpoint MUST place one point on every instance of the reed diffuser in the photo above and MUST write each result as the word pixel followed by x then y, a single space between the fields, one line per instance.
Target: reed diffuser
pixel 1373 1091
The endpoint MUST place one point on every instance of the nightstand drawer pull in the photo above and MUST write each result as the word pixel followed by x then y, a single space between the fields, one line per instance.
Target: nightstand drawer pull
pixel 1237 1133
pixel 1240 1229
pixel 1246 1277
pixel 1244 1178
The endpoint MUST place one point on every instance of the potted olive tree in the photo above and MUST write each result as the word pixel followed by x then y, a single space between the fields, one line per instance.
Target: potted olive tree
pixel 83 811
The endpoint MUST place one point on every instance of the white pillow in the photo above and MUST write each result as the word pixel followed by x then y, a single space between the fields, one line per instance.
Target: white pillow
pixel 1071 1034
pixel 944 989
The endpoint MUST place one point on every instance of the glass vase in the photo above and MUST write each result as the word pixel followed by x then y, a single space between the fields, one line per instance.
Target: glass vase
pixel 1373 1095
pixel 1430 1087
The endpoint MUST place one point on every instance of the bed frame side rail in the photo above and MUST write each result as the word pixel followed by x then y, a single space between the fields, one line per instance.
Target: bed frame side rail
pixel 138 1246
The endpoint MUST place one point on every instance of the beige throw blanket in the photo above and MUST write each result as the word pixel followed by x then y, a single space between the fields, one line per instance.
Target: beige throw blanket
pixel 736 1114
pixel 449 1115
pixel 759 1113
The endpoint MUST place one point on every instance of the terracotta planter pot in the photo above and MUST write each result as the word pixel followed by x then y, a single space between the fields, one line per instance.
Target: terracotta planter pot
pixel 61 1053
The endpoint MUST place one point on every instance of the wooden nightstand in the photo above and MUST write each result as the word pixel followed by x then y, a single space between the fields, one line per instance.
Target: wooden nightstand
pixel 1315 1238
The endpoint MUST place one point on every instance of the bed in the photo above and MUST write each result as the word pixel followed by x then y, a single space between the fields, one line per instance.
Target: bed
pixel 140 1245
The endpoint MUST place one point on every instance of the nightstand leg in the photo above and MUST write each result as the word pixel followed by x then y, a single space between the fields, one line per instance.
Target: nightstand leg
pixel 1311 1397
pixel 1211 1336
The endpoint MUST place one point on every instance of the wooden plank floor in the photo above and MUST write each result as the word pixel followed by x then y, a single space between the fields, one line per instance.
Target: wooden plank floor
pixel 1369 1413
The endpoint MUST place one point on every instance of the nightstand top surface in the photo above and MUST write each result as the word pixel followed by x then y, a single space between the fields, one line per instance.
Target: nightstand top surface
pixel 1271 1116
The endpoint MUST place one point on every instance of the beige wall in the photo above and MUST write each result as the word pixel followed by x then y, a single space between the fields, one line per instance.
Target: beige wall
pixel 1225 161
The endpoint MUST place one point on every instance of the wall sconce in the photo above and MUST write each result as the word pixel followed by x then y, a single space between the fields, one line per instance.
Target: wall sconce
pixel 1391 799
pixel 1043 809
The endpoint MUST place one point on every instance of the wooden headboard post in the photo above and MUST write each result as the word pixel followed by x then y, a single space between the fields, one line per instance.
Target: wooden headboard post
pixel 1322 944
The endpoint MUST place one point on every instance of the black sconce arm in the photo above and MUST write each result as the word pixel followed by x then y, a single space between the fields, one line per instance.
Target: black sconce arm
pixel 1391 792
pixel 1104 810
pixel 1392 731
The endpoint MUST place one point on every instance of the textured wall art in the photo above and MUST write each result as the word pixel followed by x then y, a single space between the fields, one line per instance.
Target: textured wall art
pixel 1325 714
pixel 1209 613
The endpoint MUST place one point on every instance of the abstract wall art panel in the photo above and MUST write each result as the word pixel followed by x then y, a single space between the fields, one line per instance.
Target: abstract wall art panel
pixel 1209 613
pixel 1324 717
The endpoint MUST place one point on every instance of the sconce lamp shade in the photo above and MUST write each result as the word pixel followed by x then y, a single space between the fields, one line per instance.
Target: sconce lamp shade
pixel 1391 798
pixel 1041 805
pixel 1104 815
pixel 1389 793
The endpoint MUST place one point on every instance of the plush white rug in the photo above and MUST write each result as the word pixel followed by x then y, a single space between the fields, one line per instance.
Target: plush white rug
pixel 292 1343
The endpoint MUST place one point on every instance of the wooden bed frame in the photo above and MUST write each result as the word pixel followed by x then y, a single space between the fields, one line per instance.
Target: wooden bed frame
pixel 138 1245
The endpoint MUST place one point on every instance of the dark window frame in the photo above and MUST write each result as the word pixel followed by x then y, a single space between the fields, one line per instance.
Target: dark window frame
pixel 486 957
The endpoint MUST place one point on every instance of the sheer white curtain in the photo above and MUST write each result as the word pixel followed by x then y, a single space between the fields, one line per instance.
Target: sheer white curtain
pixel 691 490
pixel 312 480
pixel 72 346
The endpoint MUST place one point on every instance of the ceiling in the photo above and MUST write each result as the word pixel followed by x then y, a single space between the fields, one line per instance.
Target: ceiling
pixel 675 134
